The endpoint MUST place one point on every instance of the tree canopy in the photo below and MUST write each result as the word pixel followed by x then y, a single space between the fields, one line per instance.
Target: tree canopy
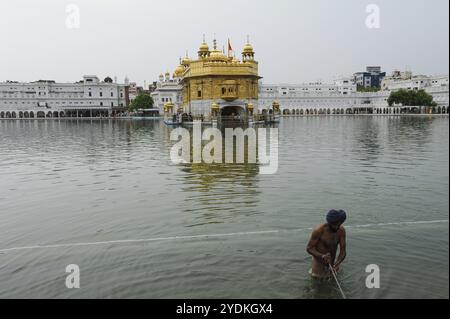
pixel 142 101
pixel 411 98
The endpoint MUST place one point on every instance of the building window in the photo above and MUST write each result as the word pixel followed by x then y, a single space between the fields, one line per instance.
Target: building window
pixel 199 93
pixel 90 93
pixel 101 94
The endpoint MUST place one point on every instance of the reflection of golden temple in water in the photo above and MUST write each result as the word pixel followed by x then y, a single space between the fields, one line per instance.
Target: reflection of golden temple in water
pixel 218 88
pixel 207 176
pixel 219 192
pixel 216 192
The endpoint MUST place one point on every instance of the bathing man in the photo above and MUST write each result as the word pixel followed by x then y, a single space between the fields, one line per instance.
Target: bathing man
pixel 324 243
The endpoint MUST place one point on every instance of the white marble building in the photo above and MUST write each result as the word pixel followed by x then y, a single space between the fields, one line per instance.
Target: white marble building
pixel 168 89
pixel 417 82
pixel 342 97
pixel 89 97
pixel 307 96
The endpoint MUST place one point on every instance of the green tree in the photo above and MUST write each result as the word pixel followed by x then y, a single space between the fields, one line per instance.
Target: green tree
pixel 142 101
pixel 411 98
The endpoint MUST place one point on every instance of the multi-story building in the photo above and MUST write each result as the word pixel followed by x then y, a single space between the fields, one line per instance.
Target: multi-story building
pixel 371 78
pixel 405 80
pixel 167 90
pixel 89 97
pixel 313 98
pixel 437 86
pixel 342 97
pixel 133 89
pixel 306 95
pixel 345 86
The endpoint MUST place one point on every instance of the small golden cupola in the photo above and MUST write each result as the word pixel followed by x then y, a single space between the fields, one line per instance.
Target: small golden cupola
pixel 179 70
pixel 203 51
pixel 185 62
pixel 248 54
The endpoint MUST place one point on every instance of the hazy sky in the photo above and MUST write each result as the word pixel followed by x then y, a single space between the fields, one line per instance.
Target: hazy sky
pixel 295 41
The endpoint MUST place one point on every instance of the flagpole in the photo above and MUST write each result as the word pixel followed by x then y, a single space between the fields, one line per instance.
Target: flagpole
pixel 230 49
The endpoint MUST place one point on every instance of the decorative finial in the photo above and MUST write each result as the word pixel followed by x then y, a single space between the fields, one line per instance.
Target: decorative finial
pixel 248 38
pixel 204 38
pixel 215 43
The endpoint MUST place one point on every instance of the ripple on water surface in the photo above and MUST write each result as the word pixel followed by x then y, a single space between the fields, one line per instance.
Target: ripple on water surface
pixel 81 182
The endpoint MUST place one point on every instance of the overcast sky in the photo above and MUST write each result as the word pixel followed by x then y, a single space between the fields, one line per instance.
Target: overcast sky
pixel 295 41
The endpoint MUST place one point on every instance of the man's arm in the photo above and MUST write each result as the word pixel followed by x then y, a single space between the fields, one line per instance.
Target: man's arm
pixel 312 244
pixel 342 247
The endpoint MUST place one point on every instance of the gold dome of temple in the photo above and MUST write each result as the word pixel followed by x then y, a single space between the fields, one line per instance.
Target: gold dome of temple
pixel 203 47
pixel 178 71
pixel 203 51
pixel 248 48
pixel 186 61
pixel 217 55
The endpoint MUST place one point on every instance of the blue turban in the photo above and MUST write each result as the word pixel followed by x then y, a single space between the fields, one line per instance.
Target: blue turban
pixel 335 216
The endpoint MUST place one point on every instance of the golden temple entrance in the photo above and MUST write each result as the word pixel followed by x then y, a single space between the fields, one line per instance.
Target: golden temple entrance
pixel 233 114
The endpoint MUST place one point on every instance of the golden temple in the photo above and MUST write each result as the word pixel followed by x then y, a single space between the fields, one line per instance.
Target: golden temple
pixel 217 86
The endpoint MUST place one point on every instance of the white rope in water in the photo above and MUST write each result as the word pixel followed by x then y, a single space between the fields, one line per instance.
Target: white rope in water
pixel 130 241
pixel 337 281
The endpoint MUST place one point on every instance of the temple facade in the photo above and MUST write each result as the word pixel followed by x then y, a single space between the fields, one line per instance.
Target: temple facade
pixel 217 87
